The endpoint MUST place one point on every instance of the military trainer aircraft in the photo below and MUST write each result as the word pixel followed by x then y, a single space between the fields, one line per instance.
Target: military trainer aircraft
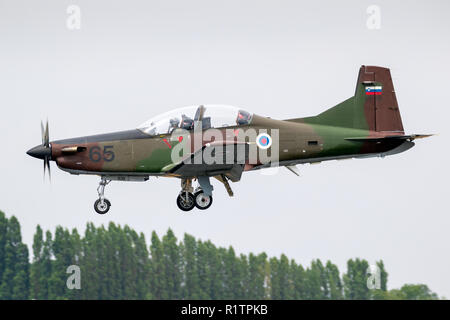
pixel 196 143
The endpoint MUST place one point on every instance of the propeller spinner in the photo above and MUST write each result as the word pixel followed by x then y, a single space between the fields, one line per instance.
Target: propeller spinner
pixel 43 151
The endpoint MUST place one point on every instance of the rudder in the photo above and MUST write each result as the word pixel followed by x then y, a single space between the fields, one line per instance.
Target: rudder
pixel 375 93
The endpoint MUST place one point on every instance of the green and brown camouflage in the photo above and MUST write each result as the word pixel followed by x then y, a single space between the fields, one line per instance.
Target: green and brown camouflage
pixel 367 124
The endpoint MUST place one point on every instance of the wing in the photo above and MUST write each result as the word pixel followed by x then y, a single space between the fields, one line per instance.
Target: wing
pixel 214 159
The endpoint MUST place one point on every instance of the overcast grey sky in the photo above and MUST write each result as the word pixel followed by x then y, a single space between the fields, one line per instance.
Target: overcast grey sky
pixel 132 60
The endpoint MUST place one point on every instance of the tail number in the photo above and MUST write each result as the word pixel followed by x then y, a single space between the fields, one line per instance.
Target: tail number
pixel 95 154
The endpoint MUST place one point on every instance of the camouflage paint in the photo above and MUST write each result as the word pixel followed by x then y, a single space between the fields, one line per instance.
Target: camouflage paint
pixel 323 136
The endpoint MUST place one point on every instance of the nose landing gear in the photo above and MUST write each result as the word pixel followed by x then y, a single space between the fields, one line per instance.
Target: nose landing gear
pixel 102 205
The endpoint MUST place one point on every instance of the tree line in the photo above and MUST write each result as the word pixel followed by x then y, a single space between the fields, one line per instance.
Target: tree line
pixel 116 263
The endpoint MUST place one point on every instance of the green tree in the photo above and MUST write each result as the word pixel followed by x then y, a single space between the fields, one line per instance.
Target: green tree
pixel 322 277
pixel 275 286
pixel 142 266
pixel 234 274
pixel 417 292
pixel 286 287
pixel 63 258
pixel 298 278
pixel 41 267
pixel 36 284
pixel 158 283
pixel 355 280
pixel 335 288
pixel 216 273
pixel 99 244
pixel 89 272
pixel 117 264
pixel 192 287
pixel 204 270
pixel 383 275
pixel 244 277
pixel 3 230
pixel 15 278
pixel 256 283
pixel 21 279
pixel 172 263
pixel 113 285
pixel 128 264
pixel 313 283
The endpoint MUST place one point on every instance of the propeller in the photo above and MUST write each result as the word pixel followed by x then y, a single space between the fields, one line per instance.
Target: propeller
pixel 46 143
pixel 43 151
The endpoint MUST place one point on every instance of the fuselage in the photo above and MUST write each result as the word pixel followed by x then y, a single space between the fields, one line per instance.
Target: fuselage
pixel 134 152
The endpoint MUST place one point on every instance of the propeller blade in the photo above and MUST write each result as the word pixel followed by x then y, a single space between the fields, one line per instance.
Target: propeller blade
pixel 46 135
pixel 42 133
pixel 45 169
pixel 47 166
pixel 47 162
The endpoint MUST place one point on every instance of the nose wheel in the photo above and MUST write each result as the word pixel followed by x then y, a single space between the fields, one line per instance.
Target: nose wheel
pixel 102 205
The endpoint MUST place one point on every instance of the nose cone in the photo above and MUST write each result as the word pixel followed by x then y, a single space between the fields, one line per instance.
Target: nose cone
pixel 40 152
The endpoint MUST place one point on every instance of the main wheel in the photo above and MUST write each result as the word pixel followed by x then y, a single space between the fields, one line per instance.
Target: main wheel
pixel 102 207
pixel 202 201
pixel 185 201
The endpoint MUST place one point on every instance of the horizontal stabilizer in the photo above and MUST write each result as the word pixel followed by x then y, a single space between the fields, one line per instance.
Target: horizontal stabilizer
pixel 399 137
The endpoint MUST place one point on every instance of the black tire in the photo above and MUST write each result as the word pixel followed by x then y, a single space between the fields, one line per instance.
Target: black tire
pixel 102 209
pixel 198 199
pixel 183 204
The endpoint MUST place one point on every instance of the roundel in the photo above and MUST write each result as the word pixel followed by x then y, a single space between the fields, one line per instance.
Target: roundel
pixel 264 141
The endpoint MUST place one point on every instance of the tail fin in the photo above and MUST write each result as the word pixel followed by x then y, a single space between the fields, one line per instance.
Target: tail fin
pixel 373 107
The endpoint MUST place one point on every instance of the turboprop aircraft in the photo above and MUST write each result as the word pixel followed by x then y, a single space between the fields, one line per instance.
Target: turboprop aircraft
pixel 200 142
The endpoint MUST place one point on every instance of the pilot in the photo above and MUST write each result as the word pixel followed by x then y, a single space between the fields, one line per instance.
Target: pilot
pixel 173 124
pixel 186 122
pixel 243 118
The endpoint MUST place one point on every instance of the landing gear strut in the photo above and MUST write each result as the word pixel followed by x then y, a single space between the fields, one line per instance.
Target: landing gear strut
pixel 102 204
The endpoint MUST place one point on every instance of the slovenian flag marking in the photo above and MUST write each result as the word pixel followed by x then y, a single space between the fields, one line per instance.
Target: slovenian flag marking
pixel 373 90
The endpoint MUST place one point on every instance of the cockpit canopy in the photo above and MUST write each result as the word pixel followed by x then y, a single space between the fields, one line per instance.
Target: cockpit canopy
pixel 210 116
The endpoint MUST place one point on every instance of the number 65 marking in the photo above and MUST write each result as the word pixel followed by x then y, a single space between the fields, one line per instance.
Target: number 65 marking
pixel 95 154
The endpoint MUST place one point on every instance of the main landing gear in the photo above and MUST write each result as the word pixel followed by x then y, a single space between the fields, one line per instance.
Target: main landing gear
pixel 102 204
pixel 202 201
pixel 185 201
pixel 188 198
